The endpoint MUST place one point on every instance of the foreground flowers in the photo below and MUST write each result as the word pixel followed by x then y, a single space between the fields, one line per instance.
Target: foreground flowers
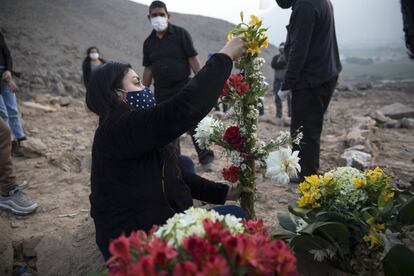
pixel 221 246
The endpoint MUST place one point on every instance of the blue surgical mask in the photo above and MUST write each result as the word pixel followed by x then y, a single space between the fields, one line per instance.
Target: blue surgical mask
pixel 140 99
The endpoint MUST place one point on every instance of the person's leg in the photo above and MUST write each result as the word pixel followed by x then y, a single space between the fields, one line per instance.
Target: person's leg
pixel 10 101
pixel 187 163
pixel 278 102
pixel 3 108
pixel 7 178
pixel 232 210
pixel 205 156
pixel 289 104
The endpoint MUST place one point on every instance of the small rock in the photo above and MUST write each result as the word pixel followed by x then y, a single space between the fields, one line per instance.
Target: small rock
pixel 357 159
pixel 407 123
pixel 363 122
pixel 397 111
pixel 356 136
pixel 28 245
pixel 65 101
pixel 363 85
pixel 42 98
pixel 283 201
pixel 78 129
pixel 6 248
pixel 384 120
pixel 38 106
pixel 59 88
pixel 34 145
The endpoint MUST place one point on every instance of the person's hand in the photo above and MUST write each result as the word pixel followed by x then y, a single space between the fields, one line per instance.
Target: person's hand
pixel 12 84
pixel 235 48
pixel 6 76
pixel 283 94
pixel 234 191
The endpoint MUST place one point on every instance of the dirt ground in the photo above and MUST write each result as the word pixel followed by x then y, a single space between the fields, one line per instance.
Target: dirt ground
pixel 58 180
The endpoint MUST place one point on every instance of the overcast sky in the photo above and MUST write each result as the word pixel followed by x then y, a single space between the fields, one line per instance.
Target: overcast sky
pixel 358 22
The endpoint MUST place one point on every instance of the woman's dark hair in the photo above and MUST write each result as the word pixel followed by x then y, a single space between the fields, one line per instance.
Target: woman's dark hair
pixel 101 96
pixel 157 4
pixel 88 51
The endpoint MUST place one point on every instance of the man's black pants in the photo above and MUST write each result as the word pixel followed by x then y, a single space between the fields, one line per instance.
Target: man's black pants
pixel 308 108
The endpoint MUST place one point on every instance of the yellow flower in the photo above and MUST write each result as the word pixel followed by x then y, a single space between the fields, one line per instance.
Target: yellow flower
pixel 229 36
pixel 370 221
pixel 388 195
pixel 358 183
pixel 253 48
pixel 372 239
pixel 313 180
pixel 378 170
pixel 379 227
pixel 304 186
pixel 265 43
pixel 373 177
pixel 326 179
pixel 255 21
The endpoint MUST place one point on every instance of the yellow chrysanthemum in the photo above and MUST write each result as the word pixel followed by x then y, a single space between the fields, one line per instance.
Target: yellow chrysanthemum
pixel 378 170
pixel 304 186
pixel 229 36
pixel 373 178
pixel 255 21
pixel 388 196
pixel 358 182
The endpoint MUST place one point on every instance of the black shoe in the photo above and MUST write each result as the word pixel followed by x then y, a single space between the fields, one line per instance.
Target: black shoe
pixel 16 149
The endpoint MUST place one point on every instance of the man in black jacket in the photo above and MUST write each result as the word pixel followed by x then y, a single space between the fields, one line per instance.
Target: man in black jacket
pixel 169 55
pixel 312 72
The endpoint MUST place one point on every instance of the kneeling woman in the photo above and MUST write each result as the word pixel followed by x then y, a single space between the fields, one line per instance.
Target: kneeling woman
pixel 136 179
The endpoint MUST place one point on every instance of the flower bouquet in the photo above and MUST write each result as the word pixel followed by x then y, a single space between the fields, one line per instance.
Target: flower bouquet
pixel 237 134
pixel 346 214
pixel 201 242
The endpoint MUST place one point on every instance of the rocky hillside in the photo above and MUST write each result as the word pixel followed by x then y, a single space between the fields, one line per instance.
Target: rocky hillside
pixel 48 39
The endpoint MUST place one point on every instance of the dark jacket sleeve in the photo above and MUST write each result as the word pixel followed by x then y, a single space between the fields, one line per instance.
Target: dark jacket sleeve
pixel 6 54
pixel 86 71
pixel 274 61
pixel 205 190
pixel 138 132
pixel 300 31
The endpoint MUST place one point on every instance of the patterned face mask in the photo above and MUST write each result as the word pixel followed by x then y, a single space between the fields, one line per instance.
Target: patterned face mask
pixel 140 99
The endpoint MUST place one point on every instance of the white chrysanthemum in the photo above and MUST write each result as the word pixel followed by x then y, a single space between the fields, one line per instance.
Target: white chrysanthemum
pixel 282 164
pixel 190 223
pixel 204 130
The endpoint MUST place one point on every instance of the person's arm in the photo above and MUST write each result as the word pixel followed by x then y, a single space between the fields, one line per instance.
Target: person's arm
pixel 6 54
pixel 147 76
pixel 195 64
pixel 300 30
pixel 205 190
pixel 138 132
pixel 274 61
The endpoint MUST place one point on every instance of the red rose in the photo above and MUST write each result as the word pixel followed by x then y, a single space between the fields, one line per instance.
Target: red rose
pixel 233 137
pixel 231 174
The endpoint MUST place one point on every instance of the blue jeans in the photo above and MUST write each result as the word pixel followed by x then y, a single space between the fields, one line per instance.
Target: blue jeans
pixel 232 210
pixel 187 163
pixel 10 112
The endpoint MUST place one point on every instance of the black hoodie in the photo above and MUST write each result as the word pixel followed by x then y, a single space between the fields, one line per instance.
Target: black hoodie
pixel 311 47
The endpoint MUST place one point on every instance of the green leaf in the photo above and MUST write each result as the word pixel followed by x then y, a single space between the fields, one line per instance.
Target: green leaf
pixel 297 211
pixel 398 262
pixel 286 221
pixel 309 242
pixel 333 231
pixel 406 214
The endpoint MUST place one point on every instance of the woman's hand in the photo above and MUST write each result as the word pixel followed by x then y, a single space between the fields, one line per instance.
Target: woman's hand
pixel 234 192
pixel 235 48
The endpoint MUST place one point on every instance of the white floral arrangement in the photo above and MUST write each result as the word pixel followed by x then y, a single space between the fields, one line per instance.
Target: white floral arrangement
pixel 190 223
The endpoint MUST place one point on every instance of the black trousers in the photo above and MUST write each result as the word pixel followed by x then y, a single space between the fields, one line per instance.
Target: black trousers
pixel 308 108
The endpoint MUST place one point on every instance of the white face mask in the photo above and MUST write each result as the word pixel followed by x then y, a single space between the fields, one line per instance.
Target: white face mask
pixel 159 23
pixel 94 56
